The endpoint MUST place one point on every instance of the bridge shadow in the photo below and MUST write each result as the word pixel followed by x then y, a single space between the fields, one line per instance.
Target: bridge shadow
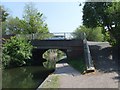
pixel 106 59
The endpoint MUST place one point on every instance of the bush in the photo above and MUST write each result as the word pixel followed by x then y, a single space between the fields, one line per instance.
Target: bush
pixel 15 52
pixel 110 39
pixel 92 34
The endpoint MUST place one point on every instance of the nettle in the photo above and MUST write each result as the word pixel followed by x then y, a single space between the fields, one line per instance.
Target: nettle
pixel 16 51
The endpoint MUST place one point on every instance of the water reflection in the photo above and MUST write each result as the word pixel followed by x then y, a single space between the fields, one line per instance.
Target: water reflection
pixel 31 76
pixel 24 77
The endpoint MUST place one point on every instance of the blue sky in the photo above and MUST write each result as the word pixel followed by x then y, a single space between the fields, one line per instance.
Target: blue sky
pixel 60 16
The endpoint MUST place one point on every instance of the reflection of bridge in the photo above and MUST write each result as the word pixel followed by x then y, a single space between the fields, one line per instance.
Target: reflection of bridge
pixel 72 48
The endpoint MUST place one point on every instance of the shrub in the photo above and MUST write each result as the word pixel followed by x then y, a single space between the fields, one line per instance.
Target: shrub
pixel 15 52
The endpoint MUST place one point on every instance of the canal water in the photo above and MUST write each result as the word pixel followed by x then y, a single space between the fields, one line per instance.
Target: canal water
pixel 24 77
pixel 29 76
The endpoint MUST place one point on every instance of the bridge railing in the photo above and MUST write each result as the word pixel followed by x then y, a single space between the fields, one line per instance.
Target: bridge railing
pixel 52 36
pixel 40 36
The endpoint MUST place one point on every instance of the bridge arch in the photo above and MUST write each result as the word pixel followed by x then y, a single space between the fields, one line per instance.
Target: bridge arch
pixel 72 48
pixel 37 55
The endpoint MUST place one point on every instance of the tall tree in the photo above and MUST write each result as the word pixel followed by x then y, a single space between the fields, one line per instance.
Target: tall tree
pixel 104 14
pixel 94 14
pixel 3 14
pixel 14 26
pixel 114 16
pixel 34 20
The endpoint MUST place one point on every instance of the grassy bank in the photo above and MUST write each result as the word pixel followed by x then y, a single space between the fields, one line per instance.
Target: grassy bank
pixel 77 64
pixel 51 82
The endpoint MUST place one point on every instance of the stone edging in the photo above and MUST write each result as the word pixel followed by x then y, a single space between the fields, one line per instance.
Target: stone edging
pixel 47 79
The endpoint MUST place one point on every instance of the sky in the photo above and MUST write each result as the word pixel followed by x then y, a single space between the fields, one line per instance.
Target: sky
pixel 60 16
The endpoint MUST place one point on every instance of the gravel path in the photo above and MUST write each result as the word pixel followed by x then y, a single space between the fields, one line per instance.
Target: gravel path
pixel 106 75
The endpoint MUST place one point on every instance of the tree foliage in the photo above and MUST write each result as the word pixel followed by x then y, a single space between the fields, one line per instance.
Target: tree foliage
pixel 104 14
pixel 114 15
pixel 92 34
pixel 14 26
pixel 34 20
pixel 94 14
pixel 31 23
pixel 15 52
pixel 3 14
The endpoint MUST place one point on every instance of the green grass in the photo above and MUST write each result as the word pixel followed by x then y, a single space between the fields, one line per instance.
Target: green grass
pixel 52 82
pixel 77 64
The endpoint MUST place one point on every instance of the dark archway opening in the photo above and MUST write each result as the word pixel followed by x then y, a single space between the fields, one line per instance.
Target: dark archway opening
pixel 38 56
pixel 42 55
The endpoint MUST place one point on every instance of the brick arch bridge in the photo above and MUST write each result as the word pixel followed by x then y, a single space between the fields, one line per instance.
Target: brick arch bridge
pixel 72 48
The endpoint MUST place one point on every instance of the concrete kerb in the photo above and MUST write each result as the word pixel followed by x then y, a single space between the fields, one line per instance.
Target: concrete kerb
pixel 41 86
pixel 48 79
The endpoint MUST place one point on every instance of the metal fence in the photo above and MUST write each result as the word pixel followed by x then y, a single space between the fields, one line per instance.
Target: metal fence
pixel 50 36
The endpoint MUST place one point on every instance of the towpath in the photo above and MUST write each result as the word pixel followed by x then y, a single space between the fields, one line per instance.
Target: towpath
pixel 105 76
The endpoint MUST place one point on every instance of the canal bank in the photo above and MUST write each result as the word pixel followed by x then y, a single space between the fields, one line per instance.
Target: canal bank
pixel 70 78
pixel 54 80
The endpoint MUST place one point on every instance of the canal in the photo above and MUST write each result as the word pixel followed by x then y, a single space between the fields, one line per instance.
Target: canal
pixel 24 77
pixel 31 77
